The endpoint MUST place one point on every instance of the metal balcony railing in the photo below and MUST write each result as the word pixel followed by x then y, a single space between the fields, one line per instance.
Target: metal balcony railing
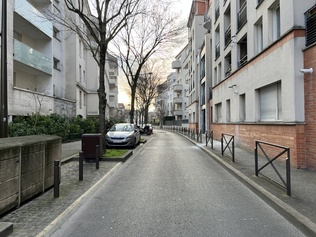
pixel 217 50
pixel 228 36
pixel 242 15
pixel 242 61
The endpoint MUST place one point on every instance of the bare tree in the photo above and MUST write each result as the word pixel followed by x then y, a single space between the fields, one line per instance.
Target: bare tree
pixel 147 89
pixel 143 37
pixel 103 20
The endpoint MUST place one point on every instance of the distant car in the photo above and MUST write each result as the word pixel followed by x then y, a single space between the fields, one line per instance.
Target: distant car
pixel 123 135
pixel 148 129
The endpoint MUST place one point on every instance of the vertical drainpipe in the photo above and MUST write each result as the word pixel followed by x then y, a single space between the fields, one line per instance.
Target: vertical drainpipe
pixel 3 80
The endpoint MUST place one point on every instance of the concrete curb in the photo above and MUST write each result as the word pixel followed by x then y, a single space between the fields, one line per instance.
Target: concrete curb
pixel 54 225
pixel 6 228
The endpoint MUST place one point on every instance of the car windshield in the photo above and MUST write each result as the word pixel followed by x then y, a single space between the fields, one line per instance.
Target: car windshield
pixel 122 127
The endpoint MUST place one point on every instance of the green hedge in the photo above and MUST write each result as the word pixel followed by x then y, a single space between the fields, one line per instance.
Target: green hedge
pixel 54 124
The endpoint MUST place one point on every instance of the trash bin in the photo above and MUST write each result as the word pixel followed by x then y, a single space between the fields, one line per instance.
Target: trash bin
pixel 89 142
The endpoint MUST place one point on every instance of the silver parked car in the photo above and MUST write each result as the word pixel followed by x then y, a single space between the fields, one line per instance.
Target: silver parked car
pixel 123 135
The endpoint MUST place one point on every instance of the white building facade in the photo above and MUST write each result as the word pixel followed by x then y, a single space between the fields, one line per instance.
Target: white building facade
pixel 51 70
pixel 257 88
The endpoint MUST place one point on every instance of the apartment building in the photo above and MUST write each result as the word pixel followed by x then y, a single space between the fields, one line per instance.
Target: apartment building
pixel 180 87
pixel 195 41
pixel 50 70
pixel 257 88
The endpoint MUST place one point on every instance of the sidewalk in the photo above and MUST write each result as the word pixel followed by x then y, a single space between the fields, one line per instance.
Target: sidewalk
pixel 33 217
pixel 299 208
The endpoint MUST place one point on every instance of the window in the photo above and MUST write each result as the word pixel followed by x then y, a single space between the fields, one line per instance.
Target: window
pixel 310 22
pixel 270 102
pixel 242 14
pixel 202 94
pixel 80 74
pixel 242 108
pixel 80 99
pixel 218 112
pixel 80 49
pixel 274 21
pixel 56 64
pixel 258 36
pixel 228 110
pixel 56 33
pixel 202 68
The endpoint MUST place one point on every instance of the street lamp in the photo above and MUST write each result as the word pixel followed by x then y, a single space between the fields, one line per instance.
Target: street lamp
pixel 3 84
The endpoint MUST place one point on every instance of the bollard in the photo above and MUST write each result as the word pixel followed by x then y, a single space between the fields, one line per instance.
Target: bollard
pixel 80 165
pixel 56 178
pixel 97 156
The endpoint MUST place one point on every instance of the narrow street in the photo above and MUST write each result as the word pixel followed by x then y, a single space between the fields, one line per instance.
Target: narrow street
pixel 169 187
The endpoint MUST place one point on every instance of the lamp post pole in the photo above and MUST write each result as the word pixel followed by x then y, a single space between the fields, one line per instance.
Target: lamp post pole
pixel 3 84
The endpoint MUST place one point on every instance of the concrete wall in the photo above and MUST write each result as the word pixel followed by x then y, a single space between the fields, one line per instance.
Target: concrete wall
pixel 26 168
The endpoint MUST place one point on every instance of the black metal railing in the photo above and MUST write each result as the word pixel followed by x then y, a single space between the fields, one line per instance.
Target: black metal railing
pixel 283 150
pixel 226 141
pixel 209 138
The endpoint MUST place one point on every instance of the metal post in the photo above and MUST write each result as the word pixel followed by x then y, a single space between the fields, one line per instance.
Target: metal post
pixel 288 175
pixel 97 156
pixel 80 165
pixel 233 146
pixel 3 80
pixel 56 178
pixel 222 149
pixel 256 159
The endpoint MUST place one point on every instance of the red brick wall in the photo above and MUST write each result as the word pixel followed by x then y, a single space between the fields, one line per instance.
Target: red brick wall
pixel 310 107
pixel 291 136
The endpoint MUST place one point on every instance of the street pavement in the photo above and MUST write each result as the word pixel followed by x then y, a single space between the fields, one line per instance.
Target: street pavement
pixel 41 214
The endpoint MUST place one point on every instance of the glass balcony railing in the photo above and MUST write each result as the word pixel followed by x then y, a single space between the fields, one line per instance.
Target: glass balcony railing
pixel 32 15
pixel 31 57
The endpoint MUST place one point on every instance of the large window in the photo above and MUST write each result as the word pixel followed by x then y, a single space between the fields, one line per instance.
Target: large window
pixel 228 110
pixel 218 112
pixel 274 19
pixel 270 102
pixel 258 36
pixel 242 108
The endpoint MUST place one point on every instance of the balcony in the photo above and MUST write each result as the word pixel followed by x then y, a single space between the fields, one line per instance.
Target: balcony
pixel 177 100
pixel 207 21
pixel 29 21
pixel 32 58
pixel 177 112
pixel 112 82
pixel 176 64
pixel 177 88
pixel 242 15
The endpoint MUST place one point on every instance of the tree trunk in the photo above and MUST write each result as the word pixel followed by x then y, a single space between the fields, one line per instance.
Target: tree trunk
pixel 102 99
pixel 132 112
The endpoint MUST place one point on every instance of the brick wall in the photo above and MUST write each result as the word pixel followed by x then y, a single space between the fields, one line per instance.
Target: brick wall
pixel 291 136
pixel 310 107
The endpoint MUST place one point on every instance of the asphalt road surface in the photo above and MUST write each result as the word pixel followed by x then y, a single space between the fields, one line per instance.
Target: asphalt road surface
pixel 170 187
